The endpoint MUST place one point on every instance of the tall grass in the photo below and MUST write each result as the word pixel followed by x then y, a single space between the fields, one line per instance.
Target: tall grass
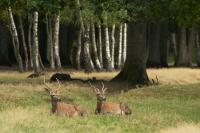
pixel 25 108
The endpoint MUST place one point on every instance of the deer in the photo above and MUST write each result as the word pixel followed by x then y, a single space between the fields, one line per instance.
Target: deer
pixel 104 107
pixel 60 108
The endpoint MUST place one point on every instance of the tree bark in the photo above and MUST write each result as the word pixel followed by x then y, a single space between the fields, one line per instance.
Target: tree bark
pixel 24 43
pixel 50 46
pixel 94 48
pixel 134 70
pixel 113 46
pixel 30 21
pixel 56 42
pixel 100 45
pixel 124 44
pixel 154 46
pixel 36 62
pixel 15 40
pixel 185 42
pixel 89 66
pixel 78 52
pixel 198 48
pixel 164 44
pixel 108 60
pixel 119 63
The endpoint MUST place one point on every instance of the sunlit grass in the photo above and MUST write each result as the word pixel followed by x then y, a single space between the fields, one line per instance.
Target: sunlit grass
pixel 25 107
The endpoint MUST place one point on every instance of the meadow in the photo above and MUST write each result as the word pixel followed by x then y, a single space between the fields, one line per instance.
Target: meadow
pixel 171 107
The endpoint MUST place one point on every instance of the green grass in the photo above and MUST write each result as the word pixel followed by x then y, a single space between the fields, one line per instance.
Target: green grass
pixel 25 108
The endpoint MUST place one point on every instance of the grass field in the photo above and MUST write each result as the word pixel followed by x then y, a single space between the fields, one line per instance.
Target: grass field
pixel 172 107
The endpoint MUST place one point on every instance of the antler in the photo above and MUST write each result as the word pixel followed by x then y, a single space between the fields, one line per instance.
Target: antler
pixel 95 88
pixel 103 89
pixel 46 84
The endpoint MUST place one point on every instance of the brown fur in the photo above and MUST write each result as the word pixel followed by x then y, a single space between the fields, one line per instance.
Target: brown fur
pixel 61 108
pixel 104 107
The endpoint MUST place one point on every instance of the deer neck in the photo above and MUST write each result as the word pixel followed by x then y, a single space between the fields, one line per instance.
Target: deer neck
pixel 54 105
pixel 99 106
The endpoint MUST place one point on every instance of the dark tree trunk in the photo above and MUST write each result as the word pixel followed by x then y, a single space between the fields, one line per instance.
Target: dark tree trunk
pixel 5 42
pixel 24 43
pixel 154 46
pixel 158 49
pixel 134 71
pixel 198 48
pixel 164 45
pixel 185 42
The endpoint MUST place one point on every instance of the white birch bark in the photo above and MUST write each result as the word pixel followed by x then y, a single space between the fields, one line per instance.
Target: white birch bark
pixel 78 53
pixel 56 41
pixel 94 48
pixel 36 63
pixel 100 45
pixel 89 66
pixel 113 45
pixel 119 65
pixel 15 40
pixel 124 43
pixel 107 50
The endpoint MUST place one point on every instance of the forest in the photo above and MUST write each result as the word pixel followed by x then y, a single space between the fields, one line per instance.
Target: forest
pixel 142 54
pixel 92 35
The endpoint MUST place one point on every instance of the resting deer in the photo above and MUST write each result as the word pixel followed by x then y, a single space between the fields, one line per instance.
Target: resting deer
pixel 61 108
pixel 104 107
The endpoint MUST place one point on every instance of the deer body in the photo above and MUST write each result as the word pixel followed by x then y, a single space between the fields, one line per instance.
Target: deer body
pixel 64 109
pixel 61 108
pixel 104 107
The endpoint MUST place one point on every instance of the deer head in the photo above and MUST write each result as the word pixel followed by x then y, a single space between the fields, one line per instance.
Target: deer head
pixel 53 93
pixel 99 93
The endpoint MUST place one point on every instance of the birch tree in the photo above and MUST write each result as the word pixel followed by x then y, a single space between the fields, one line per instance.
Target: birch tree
pixel 15 37
pixel 94 48
pixel 56 41
pixel 36 63
pixel 119 63
pixel 124 43
pixel 24 43
pixel 113 45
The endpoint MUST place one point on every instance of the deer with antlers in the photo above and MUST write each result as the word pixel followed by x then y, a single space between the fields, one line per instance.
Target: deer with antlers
pixel 61 108
pixel 104 107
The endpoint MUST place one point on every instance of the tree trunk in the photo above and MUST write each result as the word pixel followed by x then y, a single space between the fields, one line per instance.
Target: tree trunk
pixel 36 62
pixel 108 60
pixel 30 21
pixel 154 46
pixel 94 48
pixel 56 42
pixel 24 43
pixel 78 52
pixel 164 45
pixel 113 46
pixel 185 42
pixel 100 45
pixel 50 46
pixel 15 40
pixel 134 71
pixel 89 66
pixel 174 42
pixel 198 47
pixel 124 44
pixel 119 63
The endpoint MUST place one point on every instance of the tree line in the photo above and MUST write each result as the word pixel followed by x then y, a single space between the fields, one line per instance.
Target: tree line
pixel 110 34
